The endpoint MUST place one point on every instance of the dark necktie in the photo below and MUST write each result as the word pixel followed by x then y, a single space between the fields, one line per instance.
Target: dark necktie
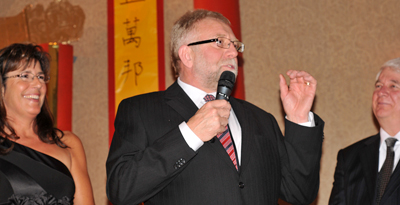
pixel 387 168
pixel 225 138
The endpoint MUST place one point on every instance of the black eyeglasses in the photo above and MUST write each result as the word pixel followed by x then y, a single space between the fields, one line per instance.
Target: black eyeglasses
pixel 222 42
pixel 28 77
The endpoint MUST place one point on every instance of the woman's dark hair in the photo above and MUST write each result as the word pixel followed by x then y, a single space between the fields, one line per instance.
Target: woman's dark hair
pixel 12 58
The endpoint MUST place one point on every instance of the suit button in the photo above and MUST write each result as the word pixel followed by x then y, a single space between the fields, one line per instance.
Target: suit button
pixel 241 185
pixel 179 163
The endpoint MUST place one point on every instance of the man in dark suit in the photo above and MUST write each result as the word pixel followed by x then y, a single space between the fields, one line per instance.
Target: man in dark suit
pixel 164 149
pixel 362 167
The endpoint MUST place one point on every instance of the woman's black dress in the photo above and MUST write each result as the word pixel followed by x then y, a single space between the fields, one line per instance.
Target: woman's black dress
pixel 31 177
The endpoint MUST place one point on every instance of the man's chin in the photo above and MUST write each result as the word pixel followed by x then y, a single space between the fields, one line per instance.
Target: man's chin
pixel 382 113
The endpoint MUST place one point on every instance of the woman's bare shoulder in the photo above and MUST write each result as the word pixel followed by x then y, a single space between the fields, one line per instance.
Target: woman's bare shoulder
pixel 70 138
pixel 74 144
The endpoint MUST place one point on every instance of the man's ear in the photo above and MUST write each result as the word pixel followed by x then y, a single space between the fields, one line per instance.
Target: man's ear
pixel 186 55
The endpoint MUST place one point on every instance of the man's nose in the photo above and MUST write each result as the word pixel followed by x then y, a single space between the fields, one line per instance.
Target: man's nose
pixel 231 51
pixel 383 91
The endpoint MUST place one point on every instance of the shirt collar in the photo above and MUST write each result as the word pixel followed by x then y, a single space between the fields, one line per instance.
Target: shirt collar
pixel 195 94
pixel 384 135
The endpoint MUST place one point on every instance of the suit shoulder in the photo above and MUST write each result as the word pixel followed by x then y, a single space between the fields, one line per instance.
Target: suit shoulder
pixel 173 90
pixel 145 96
pixel 141 101
pixel 252 107
pixel 359 144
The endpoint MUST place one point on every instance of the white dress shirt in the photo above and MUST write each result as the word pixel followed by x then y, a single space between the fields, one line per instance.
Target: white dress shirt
pixel 194 142
pixel 382 149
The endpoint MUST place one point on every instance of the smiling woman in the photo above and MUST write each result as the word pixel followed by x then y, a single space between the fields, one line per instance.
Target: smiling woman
pixel 39 164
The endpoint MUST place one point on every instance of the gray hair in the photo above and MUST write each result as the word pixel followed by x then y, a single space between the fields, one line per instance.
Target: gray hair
pixel 184 26
pixel 393 63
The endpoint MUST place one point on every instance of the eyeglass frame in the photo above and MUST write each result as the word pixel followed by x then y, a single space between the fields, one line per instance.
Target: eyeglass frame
pixel 45 80
pixel 216 40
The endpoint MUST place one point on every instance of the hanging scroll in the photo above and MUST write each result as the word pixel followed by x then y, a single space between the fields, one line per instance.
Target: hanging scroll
pixel 136 50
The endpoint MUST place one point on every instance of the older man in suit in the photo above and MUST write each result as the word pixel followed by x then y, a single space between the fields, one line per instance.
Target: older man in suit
pixel 366 171
pixel 164 149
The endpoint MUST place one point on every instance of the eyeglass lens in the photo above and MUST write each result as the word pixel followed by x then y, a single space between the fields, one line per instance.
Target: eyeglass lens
pixel 225 43
pixel 29 77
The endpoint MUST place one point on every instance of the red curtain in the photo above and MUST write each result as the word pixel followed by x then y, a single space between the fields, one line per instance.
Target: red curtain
pixel 63 54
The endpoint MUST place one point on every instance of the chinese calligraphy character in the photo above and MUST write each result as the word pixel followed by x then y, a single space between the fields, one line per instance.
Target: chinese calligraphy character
pixel 131 31
pixel 137 68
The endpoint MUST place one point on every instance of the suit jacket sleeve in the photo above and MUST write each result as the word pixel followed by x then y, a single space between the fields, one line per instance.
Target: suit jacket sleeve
pixel 300 161
pixel 338 191
pixel 136 168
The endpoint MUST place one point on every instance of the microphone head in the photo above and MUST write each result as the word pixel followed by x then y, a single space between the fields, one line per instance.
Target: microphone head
pixel 225 85
pixel 227 79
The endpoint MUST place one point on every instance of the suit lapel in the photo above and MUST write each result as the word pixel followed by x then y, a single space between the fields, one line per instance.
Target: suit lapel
pixel 369 157
pixel 242 117
pixel 180 101
pixel 220 151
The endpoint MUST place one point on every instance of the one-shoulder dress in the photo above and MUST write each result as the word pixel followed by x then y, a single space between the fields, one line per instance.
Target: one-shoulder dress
pixel 31 177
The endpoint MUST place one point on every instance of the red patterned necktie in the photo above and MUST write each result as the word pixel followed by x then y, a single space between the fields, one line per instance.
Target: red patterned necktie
pixel 225 138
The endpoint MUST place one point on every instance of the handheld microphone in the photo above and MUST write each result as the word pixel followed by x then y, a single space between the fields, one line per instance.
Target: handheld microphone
pixel 225 85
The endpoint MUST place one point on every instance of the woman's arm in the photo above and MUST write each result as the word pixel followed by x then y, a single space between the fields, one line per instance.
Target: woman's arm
pixel 83 187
